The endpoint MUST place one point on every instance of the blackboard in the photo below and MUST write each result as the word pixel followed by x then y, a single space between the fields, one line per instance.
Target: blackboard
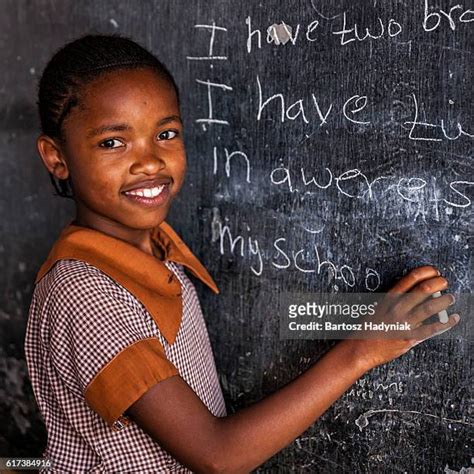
pixel 329 152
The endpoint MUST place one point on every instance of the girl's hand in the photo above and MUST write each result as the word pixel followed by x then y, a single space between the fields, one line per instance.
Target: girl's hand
pixel 407 301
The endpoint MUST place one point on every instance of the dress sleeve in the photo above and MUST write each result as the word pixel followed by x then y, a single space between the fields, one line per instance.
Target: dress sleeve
pixel 102 344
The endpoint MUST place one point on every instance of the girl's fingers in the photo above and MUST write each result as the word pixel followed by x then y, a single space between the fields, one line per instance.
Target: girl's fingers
pixel 416 276
pixel 430 330
pixel 429 308
pixel 419 294
pixel 413 278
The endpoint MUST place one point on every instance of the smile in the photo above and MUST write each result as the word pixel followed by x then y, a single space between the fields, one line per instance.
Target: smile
pixel 147 192
pixel 149 197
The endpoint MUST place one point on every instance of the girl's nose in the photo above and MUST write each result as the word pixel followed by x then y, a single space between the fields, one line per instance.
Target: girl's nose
pixel 148 162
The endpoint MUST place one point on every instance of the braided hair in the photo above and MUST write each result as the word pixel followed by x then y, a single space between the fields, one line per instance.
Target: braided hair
pixel 75 65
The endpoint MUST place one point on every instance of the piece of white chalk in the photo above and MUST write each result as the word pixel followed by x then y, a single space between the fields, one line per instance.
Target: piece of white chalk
pixel 442 315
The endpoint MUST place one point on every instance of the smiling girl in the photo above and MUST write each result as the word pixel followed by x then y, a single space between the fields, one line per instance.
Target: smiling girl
pixel 117 349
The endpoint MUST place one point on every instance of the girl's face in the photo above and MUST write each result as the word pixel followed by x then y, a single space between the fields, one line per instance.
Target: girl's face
pixel 125 138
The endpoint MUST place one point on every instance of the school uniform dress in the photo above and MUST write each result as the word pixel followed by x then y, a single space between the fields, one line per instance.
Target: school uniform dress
pixel 106 323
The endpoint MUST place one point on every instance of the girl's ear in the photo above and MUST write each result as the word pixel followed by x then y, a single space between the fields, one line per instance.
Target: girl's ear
pixel 52 157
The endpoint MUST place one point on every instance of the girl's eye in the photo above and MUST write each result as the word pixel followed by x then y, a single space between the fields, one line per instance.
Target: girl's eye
pixel 168 134
pixel 109 143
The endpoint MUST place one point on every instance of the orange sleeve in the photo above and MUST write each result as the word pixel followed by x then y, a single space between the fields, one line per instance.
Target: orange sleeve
pixel 125 378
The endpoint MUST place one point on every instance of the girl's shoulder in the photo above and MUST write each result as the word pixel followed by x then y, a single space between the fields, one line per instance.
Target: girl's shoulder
pixel 76 280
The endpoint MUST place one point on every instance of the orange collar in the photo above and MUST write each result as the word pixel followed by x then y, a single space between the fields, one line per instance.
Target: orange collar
pixel 143 275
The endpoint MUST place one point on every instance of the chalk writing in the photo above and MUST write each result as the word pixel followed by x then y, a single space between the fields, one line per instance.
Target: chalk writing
pixel 280 255
pixel 255 34
pixel 352 106
pixel 417 128
pixel 359 110
pixel 210 118
pixel 351 32
pixel 456 14
pixel 391 29
pixel 410 189
pixel 211 56
pixel 229 156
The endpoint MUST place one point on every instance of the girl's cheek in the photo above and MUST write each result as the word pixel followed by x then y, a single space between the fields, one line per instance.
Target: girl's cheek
pixel 178 164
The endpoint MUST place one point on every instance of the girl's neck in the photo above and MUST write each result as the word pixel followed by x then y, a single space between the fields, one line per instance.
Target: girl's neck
pixel 139 238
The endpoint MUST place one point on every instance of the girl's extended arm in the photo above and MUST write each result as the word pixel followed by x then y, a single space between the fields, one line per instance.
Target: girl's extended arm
pixel 173 415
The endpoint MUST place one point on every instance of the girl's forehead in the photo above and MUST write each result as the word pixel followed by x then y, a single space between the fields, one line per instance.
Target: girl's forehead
pixel 137 97
pixel 139 82
pixel 117 89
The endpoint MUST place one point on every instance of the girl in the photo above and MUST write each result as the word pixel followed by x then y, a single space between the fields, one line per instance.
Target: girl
pixel 117 349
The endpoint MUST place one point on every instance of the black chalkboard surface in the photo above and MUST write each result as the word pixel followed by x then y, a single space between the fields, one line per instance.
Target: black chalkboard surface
pixel 330 150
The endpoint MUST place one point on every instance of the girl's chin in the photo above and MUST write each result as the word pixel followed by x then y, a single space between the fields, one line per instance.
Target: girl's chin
pixel 148 222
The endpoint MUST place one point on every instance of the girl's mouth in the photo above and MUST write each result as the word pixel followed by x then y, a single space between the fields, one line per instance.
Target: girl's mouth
pixel 149 197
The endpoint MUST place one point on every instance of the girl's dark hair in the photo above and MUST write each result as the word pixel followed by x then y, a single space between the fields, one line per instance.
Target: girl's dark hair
pixel 76 64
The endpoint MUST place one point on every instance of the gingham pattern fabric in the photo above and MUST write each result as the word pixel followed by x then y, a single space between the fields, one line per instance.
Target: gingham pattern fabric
pixel 79 320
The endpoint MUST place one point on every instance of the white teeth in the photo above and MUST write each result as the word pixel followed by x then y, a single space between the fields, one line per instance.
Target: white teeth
pixel 147 192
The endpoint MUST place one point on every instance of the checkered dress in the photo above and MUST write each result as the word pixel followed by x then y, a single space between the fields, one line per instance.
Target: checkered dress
pixel 79 320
